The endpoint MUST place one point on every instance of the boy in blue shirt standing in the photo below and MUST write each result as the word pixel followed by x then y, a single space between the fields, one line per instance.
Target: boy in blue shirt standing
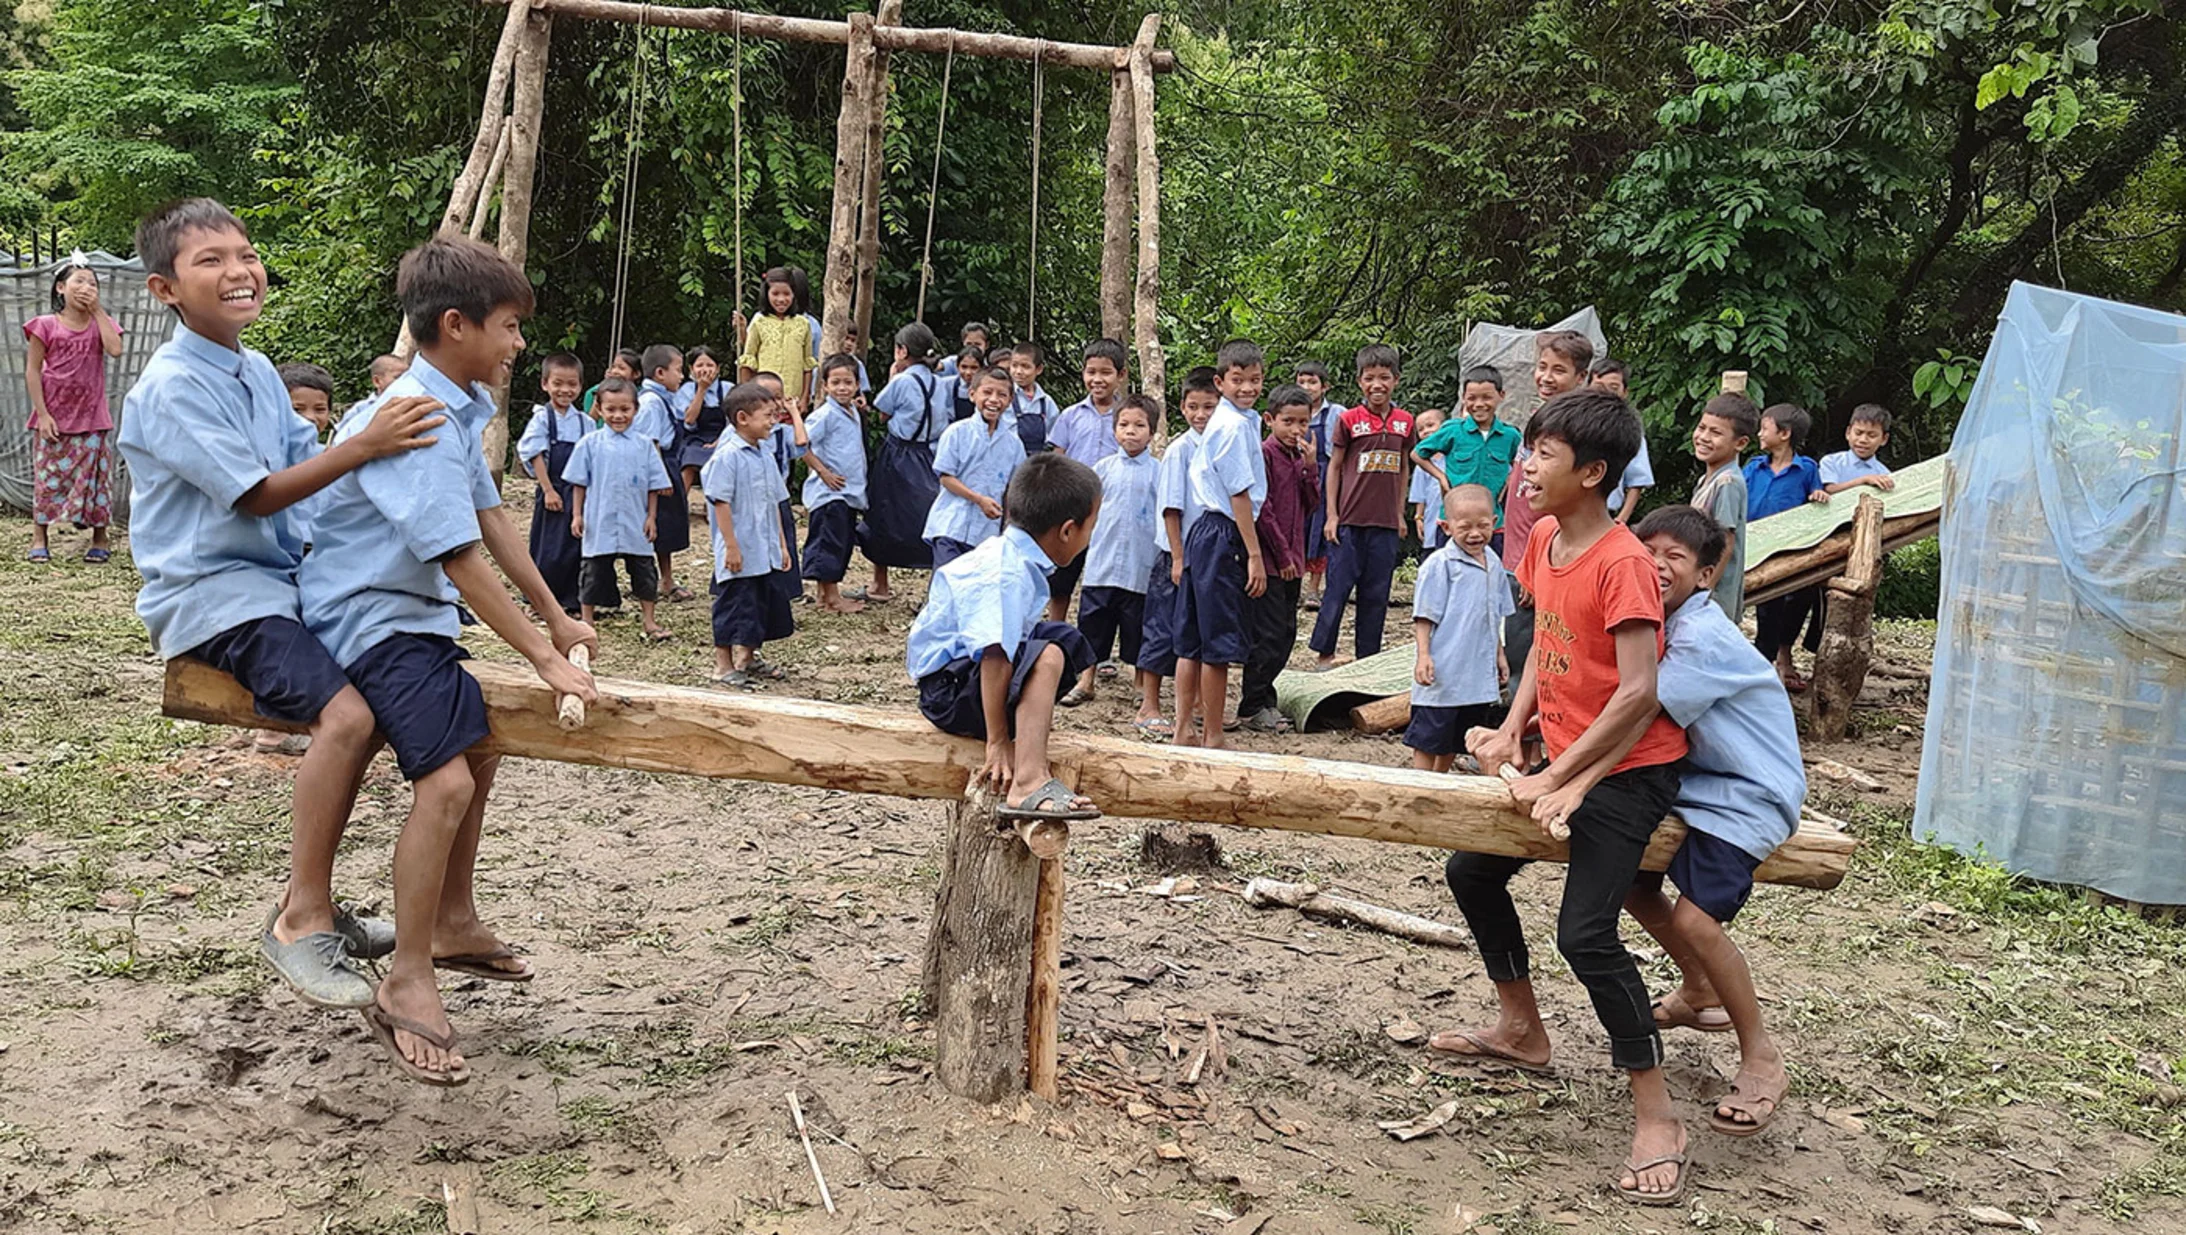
pixel 1032 409
pixel 1782 479
pixel 1458 607
pixel 1113 609
pixel 986 663
pixel 1086 431
pixel 218 467
pixel 1849 469
pixel 657 421
pixel 749 545
pixel 1174 516
pixel 394 536
pixel 835 482
pixel 1223 565
pixel 974 460
pixel 616 479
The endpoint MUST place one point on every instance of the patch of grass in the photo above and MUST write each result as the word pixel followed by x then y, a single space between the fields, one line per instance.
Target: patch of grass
pixel 594 1118
pixel 770 927
pixel 1390 1219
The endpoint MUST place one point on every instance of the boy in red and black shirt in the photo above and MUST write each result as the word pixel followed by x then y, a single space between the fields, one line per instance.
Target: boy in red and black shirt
pixel 1369 454
pixel 1294 485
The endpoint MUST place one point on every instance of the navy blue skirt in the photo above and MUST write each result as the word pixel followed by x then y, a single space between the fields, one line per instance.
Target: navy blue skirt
pixel 672 533
pixel 899 493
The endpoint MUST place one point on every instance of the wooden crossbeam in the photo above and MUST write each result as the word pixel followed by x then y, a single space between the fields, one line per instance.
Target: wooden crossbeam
pixel 814 30
pixel 654 728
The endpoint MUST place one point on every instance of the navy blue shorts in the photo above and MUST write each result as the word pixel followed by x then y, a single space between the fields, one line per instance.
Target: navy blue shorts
pixel 1064 580
pixel 1210 605
pixel 949 696
pixel 1713 874
pixel 744 612
pixel 288 673
pixel 429 709
pixel 1157 646
pixel 832 531
pixel 1113 616
pixel 946 550
pixel 1441 731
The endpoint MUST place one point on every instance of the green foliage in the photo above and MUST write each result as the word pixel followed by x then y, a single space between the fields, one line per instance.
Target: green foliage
pixel 1946 381
pixel 1912 581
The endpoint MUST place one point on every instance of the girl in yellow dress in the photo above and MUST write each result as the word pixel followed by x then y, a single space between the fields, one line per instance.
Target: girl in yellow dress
pixel 780 340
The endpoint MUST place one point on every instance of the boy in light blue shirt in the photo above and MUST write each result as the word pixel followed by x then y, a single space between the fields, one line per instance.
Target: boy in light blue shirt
pixel 617 480
pixel 987 665
pixel 1458 607
pixel 974 461
pixel 657 418
pixel 1222 559
pixel 749 545
pixel 1032 409
pixel 1113 607
pixel 1639 474
pixel 1174 516
pixel 400 541
pixel 834 484
pixel 1856 466
pixel 548 441
pixel 219 465
pixel 1425 494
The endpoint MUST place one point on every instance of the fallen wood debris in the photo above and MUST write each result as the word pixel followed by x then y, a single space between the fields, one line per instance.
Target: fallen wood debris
pixel 1308 899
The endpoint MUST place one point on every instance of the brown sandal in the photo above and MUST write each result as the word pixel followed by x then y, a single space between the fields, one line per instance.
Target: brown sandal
pixel 1634 1195
pixel 1484 1051
pixel 1751 1104
pixel 384 1024
pixel 1672 1012
pixel 481 965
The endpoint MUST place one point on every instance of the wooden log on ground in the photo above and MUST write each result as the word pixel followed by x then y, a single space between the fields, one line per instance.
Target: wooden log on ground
pixel 1044 1006
pixel 1153 367
pixel 811 30
pixel 876 132
pixel 1786 573
pixel 842 234
pixel 696 732
pixel 1308 899
pixel 979 954
pixel 1383 715
pixel 1848 625
pixel 1117 185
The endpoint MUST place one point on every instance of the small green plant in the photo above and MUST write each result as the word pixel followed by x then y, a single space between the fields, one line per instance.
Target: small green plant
pixel 1946 381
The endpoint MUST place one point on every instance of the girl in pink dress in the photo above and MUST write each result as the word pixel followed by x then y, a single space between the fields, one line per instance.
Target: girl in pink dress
pixel 72 454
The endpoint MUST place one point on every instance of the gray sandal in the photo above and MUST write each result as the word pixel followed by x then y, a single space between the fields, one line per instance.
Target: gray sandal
pixel 1042 806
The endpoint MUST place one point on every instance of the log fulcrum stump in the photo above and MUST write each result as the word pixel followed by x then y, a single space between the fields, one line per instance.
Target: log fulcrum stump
pixel 1848 625
pixel 1383 715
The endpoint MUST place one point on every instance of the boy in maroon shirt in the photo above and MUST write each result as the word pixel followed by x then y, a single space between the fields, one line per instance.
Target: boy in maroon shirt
pixel 1294 485
pixel 1369 450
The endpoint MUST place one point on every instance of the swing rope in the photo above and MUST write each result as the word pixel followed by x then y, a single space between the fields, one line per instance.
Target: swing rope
pixel 630 177
pixel 736 111
pixel 1032 270
pixel 933 185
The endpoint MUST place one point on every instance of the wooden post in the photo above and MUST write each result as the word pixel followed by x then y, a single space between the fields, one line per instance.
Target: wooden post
pixel 979 954
pixel 526 109
pixel 493 175
pixel 1383 715
pixel 1044 1008
pixel 471 182
pixel 1848 630
pixel 1152 367
pixel 1116 199
pixel 876 133
pixel 840 287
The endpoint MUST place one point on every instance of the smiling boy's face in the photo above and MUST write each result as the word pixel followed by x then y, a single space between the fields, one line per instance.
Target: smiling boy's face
pixel 1480 401
pixel 991 396
pixel 841 385
pixel 562 386
pixel 1678 569
pixel 618 408
pixel 219 285
pixel 1101 378
pixel 312 405
pixel 1199 408
pixel 1553 375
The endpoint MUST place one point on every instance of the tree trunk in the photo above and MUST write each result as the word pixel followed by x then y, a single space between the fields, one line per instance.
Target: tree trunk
pixel 1153 367
pixel 979 955
pixel 1116 200
pixel 1848 626
pixel 493 174
pixel 869 212
pixel 842 234
pixel 526 110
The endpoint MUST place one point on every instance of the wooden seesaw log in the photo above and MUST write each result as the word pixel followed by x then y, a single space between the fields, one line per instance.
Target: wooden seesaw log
pixel 654 728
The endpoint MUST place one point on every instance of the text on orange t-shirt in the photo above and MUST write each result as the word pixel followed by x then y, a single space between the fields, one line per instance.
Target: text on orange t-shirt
pixel 1576 606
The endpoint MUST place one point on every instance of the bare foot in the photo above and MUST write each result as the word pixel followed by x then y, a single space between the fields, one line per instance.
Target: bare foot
pixel 420 1002
pixel 843 606
pixel 1324 662
pixel 1652 1140
pixel 1757 1093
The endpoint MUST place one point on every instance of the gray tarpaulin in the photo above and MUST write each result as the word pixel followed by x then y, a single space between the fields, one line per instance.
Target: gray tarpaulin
pixel 1510 350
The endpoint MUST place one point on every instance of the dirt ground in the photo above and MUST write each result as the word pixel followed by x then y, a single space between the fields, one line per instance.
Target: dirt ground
pixel 1969 1051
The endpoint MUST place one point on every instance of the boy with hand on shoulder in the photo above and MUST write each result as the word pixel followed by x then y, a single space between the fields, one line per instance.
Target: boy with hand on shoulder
pixel 219 464
pixel 834 484
pixel 1614 376
pixel 1223 563
pixel 1312 377
pixel 1424 496
pixel 749 545
pixel 1294 484
pixel 1727 423
pixel 1113 610
pixel 1473 447
pixel 1782 479
pixel 549 439
pixel 1849 469
pixel 974 460
pixel 1174 517
pixel 656 422
pixel 1086 431
pixel 1032 409
pixel 987 665
pixel 1364 522
pixel 396 533
pixel 616 478
pixel 1613 776
pixel 1458 608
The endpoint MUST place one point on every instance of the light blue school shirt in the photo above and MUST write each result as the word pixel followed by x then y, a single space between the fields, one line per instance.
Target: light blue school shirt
pixel 982 461
pixel 1173 490
pixel 1318 424
pixel 865 384
pixel 1638 474
pixel 1744 780
pixel 1229 462
pixel 1122 553
pixel 1084 433
pixel 837 440
pixel 656 421
pixel 989 597
pixel 619 471
pixel 743 475
pixel 917 403
pixel 714 395
pixel 1844 465
pixel 202 427
pixel 569 426
pixel 1427 491
pixel 947 367
pixel 1467 601
pixel 375 567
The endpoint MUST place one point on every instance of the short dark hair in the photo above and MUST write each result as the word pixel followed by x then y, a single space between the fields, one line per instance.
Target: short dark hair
pixel 1238 354
pixel 972 328
pixel 160 235
pixel 744 397
pixel 1201 381
pixel 1377 356
pixel 563 362
pixel 977 355
pixel 993 373
pixel 1872 414
pixel 614 386
pixel 381 362
pixel 1739 410
pixel 1311 368
pixel 1569 344
pixel 691 357
pixel 1689 526
pixel 631 357
pixel 307 377
pixel 1605 366
pixel 840 360
pixel 1109 350
pixel 1598 427
pixel 456 272
pixel 1048 490
pixel 1142 404
pixel 1034 351
pixel 1288 395
pixel 1482 373
pixel 659 356
pixel 917 342
pixel 1792 419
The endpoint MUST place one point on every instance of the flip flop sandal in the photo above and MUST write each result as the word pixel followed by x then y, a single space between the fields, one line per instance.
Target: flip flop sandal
pixel 481 965
pixel 862 595
pixel 1076 698
pixel 1750 1104
pixel 736 679
pixel 98 557
pixel 763 670
pixel 659 636
pixel 681 595
pixel 40 555
pixel 384 1024
pixel 1107 671
pixel 1660 1199
pixel 1484 1051
pixel 1040 806
pixel 1154 730
pixel 1672 1012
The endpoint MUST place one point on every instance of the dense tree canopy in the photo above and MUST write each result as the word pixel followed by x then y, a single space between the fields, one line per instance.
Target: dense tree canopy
pixel 1828 194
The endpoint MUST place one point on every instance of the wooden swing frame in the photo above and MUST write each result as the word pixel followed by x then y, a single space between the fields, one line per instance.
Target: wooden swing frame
pixel 504 154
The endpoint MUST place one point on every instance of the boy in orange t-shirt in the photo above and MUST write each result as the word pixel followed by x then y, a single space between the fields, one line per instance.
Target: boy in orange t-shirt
pixel 1613 776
